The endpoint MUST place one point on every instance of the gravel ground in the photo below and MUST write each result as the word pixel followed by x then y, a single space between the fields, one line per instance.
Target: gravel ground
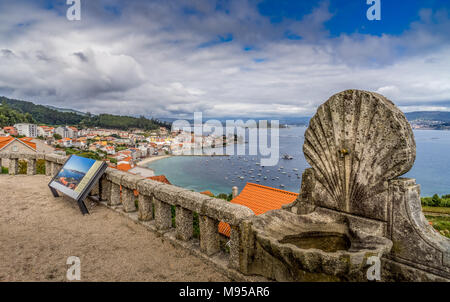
pixel 39 232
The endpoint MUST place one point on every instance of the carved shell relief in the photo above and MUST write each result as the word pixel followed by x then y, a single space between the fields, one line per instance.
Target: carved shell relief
pixel 355 142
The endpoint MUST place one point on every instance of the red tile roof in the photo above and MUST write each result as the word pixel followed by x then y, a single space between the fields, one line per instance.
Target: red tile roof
pixel 259 199
pixel 4 141
pixel 124 167
pixel 160 178
pixel 207 193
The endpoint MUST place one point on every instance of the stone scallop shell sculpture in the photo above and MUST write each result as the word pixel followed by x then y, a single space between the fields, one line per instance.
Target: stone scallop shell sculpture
pixel 355 143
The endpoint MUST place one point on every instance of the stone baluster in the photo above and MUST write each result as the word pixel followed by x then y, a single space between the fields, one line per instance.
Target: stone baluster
pixel 114 177
pixel 184 221
pixel 165 196
pixel 129 185
pixel 105 188
pixel 51 169
pixel 95 191
pixel 31 166
pixel 163 215
pixel 54 169
pixel 48 168
pixel 209 241
pixel 13 166
pixel 146 188
pixel 235 242
pixel 61 160
pixel 145 207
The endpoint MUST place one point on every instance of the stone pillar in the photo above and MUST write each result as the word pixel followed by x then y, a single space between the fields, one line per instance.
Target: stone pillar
pixel 184 221
pixel 163 215
pixel 13 166
pixel 95 191
pixel 128 200
pixel 114 198
pixel 235 241
pixel 145 207
pixel 48 168
pixel 54 168
pixel 31 167
pixel 105 189
pixel 234 192
pixel 209 241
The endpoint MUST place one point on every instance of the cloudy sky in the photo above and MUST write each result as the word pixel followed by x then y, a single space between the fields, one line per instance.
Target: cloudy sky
pixel 223 58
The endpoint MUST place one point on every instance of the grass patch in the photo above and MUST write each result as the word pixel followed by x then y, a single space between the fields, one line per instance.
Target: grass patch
pixel 439 210
pixel 4 170
pixel 440 223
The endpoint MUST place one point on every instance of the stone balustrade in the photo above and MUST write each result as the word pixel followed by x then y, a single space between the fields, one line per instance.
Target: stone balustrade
pixel 123 191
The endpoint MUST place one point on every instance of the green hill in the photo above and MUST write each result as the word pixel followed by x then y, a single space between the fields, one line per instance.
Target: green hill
pixel 44 115
pixel 9 116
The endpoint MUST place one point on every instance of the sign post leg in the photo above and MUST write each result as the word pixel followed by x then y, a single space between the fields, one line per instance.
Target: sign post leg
pixel 82 207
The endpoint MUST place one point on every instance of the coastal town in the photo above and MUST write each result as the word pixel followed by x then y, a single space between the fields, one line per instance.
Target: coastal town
pixel 125 150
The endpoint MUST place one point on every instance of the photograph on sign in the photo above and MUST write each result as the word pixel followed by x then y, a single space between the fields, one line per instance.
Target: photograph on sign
pixel 75 176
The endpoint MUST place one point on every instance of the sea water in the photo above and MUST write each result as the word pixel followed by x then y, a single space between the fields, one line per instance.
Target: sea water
pixel 219 174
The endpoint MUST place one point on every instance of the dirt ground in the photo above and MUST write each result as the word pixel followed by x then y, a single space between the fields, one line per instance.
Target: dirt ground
pixel 39 232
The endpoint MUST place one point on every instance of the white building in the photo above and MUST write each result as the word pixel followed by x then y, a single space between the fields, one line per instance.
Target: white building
pixel 29 130
pixel 45 131
pixel 66 132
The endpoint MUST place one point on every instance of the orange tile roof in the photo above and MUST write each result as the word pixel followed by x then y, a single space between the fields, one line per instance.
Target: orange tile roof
pixel 4 141
pixel 160 178
pixel 207 193
pixel 124 167
pixel 259 199
pixel 8 139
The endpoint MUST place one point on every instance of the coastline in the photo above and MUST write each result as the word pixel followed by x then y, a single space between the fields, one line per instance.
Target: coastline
pixel 151 159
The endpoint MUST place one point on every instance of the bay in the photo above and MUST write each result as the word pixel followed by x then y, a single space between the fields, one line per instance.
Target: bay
pixel 219 174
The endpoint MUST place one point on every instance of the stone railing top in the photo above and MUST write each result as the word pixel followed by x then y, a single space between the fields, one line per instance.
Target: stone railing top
pixel 60 159
pixel 356 141
pixel 204 205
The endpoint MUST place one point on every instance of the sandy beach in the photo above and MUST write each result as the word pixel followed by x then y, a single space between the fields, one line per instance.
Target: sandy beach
pixel 147 160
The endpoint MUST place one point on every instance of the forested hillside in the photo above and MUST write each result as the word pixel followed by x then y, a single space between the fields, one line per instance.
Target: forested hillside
pixel 9 116
pixel 45 115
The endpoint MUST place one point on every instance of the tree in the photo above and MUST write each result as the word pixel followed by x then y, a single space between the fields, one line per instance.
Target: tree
pixel 57 136
pixel 435 200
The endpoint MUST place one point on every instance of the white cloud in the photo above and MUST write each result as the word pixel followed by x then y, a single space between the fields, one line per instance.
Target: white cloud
pixel 148 61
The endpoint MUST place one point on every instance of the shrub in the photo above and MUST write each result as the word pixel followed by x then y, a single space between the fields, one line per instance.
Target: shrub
pixel 23 164
pixel 436 201
pixel 40 166
pixel 196 226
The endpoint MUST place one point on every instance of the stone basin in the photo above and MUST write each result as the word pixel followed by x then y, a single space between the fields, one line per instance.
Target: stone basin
pixel 325 241
pixel 322 245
